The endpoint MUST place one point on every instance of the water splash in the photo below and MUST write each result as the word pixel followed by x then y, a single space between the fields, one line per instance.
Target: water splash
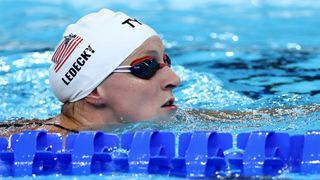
pixel 204 90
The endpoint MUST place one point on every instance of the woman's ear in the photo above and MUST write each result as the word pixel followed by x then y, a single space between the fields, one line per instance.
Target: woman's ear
pixel 95 99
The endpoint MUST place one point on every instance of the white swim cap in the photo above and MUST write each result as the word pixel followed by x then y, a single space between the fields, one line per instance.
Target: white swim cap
pixel 91 49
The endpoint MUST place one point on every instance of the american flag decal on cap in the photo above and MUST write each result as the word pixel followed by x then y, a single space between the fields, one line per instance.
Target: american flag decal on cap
pixel 65 49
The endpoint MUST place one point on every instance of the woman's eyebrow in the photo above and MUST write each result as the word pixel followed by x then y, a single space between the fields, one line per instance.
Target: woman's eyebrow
pixel 145 55
pixel 136 61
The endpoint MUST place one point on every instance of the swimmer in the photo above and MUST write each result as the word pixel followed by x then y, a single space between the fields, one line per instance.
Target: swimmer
pixel 108 68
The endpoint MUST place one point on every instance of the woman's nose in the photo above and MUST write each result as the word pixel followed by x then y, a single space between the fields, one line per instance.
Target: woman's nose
pixel 170 80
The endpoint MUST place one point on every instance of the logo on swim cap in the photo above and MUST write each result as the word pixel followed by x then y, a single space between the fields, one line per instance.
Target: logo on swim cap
pixel 65 49
pixel 131 24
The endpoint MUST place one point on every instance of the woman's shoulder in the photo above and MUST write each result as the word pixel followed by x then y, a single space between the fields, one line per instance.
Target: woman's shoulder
pixel 17 126
pixel 8 128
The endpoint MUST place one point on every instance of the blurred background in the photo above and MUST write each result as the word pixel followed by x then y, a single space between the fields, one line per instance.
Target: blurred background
pixel 28 25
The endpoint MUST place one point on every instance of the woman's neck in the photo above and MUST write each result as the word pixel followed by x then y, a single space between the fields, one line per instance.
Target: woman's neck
pixel 86 117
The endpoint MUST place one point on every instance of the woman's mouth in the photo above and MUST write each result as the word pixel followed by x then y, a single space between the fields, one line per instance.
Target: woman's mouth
pixel 169 104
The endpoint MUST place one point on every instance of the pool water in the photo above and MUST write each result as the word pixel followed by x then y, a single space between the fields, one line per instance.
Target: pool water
pixel 232 55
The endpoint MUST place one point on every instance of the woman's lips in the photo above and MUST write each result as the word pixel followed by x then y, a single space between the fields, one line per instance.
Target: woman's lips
pixel 169 104
pixel 171 107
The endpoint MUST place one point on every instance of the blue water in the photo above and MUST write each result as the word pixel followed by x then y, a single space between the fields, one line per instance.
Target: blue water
pixel 241 56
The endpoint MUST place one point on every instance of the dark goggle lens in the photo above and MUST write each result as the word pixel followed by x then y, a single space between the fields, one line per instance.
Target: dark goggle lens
pixel 145 69
pixel 167 60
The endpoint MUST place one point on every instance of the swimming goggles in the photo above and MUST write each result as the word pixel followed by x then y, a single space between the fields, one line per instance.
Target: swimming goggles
pixel 144 67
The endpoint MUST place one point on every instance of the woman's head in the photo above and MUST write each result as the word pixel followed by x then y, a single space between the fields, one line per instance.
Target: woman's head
pixel 115 92
pixel 91 49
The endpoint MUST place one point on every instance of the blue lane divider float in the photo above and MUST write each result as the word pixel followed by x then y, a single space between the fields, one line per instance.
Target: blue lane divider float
pixel 199 154
pixel 148 152
pixel 305 152
pixel 265 153
pixel 86 153
pixel 32 152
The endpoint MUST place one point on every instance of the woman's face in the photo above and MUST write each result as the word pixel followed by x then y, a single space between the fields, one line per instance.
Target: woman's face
pixel 130 98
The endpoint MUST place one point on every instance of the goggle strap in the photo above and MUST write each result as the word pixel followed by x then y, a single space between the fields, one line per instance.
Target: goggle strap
pixel 123 67
pixel 122 70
